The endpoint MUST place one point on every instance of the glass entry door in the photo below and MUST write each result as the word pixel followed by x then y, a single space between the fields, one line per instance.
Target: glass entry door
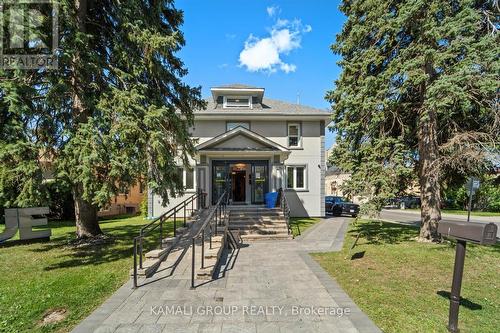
pixel 259 183
pixel 222 179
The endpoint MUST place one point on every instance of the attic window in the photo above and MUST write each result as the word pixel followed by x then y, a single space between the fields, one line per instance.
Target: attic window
pixel 237 102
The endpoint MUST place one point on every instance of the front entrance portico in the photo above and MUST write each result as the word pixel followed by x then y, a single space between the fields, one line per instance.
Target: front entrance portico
pixel 242 163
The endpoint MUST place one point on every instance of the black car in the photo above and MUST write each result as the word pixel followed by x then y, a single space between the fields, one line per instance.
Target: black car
pixel 338 206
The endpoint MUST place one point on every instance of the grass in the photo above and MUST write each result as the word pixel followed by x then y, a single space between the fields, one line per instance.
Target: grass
pixel 301 224
pixel 464 212
pixel 473 213
pixel 39 277
pixel 403 285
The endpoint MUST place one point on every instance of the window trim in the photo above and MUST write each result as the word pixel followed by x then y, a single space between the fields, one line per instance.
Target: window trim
pixel 294 181
pixel 299 135
pixel 184 179
pixel 225 106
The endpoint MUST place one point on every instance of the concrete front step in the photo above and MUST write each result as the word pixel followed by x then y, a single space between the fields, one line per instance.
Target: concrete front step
pixel 258 237
pixel 263 231
pixel 257 218
pixel 255 213
pixel 240 221
pixel 279 226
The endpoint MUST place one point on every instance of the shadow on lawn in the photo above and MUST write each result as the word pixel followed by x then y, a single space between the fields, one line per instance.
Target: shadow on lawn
pixel 121 247
pixel 377 233
pixel 463 301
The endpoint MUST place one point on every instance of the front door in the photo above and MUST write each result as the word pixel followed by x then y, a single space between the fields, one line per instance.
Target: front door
pixel 259 183
pixel 238 185
pixel 231 177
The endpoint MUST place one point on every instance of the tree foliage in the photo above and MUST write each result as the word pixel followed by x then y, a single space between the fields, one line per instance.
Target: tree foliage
pixel 115 109
pixel 418 95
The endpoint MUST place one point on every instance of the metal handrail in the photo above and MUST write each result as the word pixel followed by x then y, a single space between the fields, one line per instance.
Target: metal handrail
pixel 285 208
pixel 219 211
pixel 200 198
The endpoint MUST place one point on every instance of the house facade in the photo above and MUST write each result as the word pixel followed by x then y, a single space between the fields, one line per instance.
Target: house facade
pixel 249 145
pixel 124 203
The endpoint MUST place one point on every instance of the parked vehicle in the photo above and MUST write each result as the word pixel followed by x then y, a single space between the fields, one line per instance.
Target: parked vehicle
pixel 403 202
pixel 338 206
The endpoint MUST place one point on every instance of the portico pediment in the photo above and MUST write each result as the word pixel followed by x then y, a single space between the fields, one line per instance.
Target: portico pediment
pixel 240 139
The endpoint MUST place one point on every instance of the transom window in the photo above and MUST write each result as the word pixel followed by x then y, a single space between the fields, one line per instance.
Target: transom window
pixel 233 125
pixel 237 102
pixel 296 177
pixel 294 137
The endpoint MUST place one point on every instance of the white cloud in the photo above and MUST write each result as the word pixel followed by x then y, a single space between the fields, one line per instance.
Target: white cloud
pixel 273 10
pixel 265 54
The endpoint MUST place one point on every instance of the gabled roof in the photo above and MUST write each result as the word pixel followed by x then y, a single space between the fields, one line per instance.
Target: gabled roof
pixel 236 86
pixel 264 144
pixel 268 108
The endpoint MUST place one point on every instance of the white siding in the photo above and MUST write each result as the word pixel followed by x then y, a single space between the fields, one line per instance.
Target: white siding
pixel 308 202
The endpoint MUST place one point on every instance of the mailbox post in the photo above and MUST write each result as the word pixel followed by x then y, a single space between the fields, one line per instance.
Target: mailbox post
pixel 463 232
pixel 456 286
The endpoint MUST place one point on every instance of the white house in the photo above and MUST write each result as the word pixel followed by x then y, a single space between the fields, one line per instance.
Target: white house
pixel 250 145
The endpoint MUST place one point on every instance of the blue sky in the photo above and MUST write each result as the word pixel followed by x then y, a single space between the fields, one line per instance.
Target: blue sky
pixel 283 46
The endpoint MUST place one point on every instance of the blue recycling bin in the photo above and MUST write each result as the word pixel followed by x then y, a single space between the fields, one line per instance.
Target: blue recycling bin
pixel 271 199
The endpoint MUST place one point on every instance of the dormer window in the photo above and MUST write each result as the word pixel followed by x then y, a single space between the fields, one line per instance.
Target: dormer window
pixel 237 102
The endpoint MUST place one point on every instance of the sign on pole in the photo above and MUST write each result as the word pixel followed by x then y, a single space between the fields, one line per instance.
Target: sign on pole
pixel 471 186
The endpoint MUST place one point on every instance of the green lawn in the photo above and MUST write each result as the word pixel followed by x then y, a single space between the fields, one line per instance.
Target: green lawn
pixel 464 212
pixel 402 285
pixel 473 213
pixel 38 277
pixel 301 224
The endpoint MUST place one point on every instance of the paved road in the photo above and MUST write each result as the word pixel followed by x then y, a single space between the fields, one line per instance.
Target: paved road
pixel 413 217
pixel 268 286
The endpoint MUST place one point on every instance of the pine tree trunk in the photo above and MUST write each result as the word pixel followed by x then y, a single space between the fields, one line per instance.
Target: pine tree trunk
pixel 429 174
pixel 87 225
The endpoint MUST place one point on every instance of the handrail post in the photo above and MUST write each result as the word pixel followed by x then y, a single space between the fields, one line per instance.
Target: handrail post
pixel 211 231
pixel 135 263
pixel 203 248
pixel 193 257
pixel 215 213
pixel 185 216
pixel 175 222
pixel 161 234
pixel 140 251
pixel 220 214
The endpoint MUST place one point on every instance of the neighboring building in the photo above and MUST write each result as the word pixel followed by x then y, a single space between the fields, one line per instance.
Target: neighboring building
pixel 334 179
pixel 249 145
pixel 125 203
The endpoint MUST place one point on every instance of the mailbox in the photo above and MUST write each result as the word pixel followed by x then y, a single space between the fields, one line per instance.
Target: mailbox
pixel 479 233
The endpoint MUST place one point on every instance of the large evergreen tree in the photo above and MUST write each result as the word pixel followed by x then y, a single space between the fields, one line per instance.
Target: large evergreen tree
pixel 114 110
pixel 418 92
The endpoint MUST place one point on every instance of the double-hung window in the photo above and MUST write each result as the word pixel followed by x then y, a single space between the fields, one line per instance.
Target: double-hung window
pixel 187 177
pixel 294 135
pixel 296 177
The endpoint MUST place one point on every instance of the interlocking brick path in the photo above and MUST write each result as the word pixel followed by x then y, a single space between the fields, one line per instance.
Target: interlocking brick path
pixel 268 286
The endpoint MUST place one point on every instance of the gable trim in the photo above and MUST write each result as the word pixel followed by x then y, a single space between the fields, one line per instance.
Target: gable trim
pixel 241 130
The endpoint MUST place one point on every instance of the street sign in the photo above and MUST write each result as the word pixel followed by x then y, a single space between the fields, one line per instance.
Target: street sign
pixel 472 185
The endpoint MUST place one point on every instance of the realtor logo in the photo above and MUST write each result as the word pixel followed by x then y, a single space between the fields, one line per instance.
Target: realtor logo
pixel 29 34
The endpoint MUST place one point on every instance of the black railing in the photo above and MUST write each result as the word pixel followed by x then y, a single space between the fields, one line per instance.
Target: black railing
pixel 185 207
pixel 217 217
pixel 285 208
